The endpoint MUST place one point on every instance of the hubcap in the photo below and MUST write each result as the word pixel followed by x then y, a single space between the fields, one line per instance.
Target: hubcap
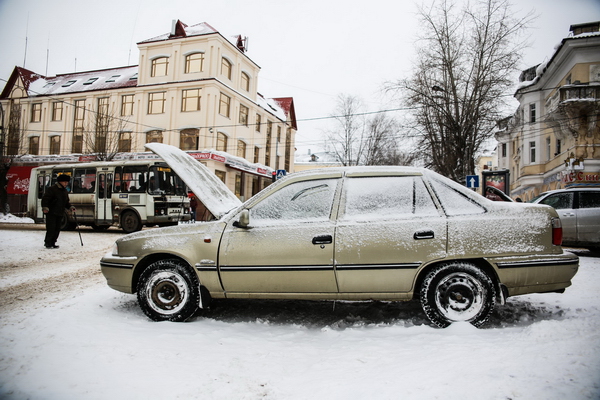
pixel 167 292
pixel 459 296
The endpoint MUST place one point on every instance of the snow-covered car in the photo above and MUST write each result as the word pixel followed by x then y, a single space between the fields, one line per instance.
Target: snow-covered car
pixel 358 233
pixel 579 211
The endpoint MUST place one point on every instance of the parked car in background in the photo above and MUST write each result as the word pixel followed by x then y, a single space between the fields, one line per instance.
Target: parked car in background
pixel 579 211
pixel 362 233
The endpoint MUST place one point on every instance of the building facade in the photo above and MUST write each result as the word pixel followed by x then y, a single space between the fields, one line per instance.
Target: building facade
pixel 553 140
pixel 193 89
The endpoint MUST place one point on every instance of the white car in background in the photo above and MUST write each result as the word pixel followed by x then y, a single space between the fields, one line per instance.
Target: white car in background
pixel 579 212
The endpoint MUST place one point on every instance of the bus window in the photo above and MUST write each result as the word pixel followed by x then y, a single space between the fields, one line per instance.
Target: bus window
pixel 101 187
pixel 43 183
pixel 117 187
pixel 83 180
pixel 134 178
pixel 109 185
pixel 166 181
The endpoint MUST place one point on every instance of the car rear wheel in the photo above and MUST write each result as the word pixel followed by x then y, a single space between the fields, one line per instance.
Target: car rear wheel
pixel 168 291
pixel 457 292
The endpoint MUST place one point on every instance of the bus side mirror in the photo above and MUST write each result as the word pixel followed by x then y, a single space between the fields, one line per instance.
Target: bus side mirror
pixel 244 221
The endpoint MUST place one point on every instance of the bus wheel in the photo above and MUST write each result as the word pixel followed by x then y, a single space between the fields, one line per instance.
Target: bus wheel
pixel 65 224
pixel 130 222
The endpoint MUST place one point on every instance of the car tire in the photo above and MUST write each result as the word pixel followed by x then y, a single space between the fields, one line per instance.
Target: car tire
pixel 130 222
pixel 168 291
pixel 457 292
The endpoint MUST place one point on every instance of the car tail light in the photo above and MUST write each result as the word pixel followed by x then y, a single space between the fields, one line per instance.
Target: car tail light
pixel 556 232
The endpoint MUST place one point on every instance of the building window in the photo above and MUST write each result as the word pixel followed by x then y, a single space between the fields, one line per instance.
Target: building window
pixel 194 63
pixel 558 147
pixel 160 66
pixel 221 175
pixel 126 105
pixel 258 122
pixel 226 67
pixel 36 112
pixel 57 111
pixel 55 144
pixel 548 149
pixel 188 139
pixel 243 115
pixel 288 150
pixel 278 134
pixel 241 149
pixel 245 82
pixel 102 123
pixel 78 126
pixel 155 136
pixel 531 152
pixel 124 142
pixel 221 142
pixel 256 154
pixel 268 144
pixel 224 105
pixel 190 100
pixel 156 102
pixel 34 145
pixel 532 112
pixel 504 149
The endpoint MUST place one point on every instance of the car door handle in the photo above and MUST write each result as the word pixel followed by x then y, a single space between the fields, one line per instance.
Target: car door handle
pixel 423 235
pixel 568 214
pixel 323 239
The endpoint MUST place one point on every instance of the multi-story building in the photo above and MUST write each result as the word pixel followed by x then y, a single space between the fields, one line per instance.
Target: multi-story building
pixel 553 140
pixel 193 88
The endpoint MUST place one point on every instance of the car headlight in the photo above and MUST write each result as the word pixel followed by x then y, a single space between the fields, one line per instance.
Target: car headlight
pixel 115 249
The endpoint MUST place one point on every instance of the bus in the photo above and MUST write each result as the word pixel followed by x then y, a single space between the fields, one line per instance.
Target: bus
pixel 129 194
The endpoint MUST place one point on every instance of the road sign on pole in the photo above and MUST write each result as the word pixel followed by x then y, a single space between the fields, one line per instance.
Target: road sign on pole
pixel 472 181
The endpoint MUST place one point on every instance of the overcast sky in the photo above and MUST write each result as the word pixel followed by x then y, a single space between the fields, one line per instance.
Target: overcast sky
pixel 311 50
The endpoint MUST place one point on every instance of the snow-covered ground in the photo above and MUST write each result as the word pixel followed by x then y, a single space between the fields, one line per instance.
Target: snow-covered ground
pixel 65 335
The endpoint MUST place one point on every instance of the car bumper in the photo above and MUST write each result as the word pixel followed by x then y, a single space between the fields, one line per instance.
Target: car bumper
pixel 536 274
pixel 118 272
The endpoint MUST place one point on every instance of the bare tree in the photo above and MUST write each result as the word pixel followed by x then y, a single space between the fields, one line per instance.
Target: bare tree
pixel 461 78
pixel 105 135
pixel 347 141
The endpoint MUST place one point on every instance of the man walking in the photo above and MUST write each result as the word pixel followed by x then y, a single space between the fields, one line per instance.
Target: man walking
pixel 54 203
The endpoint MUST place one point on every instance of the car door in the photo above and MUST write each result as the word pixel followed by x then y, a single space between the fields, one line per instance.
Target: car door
pixel 388 226
pixel 588 217
pixel 563 204
pixel 288 247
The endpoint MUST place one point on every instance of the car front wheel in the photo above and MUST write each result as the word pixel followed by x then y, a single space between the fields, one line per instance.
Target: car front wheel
pixel 457 292
pixel 167 291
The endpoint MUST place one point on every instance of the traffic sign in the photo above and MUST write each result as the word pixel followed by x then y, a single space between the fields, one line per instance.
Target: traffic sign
pixel 280 173
pixel 472 181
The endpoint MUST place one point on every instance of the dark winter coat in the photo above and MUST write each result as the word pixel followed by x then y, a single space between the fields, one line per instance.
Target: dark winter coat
pixel 56 199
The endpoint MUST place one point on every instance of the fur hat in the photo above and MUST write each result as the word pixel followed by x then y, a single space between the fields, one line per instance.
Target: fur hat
pixel 63 178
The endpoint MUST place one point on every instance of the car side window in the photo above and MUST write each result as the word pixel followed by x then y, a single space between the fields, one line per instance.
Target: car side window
pixel 559 200
pixel 300 201
pixel 454 202
pixel 386 197
pixel 589 199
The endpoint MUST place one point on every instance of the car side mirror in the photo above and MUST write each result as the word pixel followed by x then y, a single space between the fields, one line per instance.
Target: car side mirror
pixel 244 221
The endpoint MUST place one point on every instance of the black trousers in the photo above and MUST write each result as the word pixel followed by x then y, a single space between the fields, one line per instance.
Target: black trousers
pixel 52 229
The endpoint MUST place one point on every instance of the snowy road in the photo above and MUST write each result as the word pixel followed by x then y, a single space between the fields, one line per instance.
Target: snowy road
pixel 65 335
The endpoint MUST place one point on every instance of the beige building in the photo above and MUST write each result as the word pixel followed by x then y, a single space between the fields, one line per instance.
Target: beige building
pixel 553 140
pixel 193 88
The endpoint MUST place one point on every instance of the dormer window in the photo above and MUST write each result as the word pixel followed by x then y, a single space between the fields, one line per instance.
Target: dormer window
pixel 113 78
pixel 90 81
pixel 69 83
pixel 159 67
pixel 226 67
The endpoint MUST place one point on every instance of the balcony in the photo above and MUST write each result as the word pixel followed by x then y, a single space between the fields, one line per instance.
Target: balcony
pixel 578 93
pixel 573 109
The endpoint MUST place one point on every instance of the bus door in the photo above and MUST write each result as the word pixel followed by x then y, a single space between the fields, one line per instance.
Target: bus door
pixel 104 182
pixel 43 181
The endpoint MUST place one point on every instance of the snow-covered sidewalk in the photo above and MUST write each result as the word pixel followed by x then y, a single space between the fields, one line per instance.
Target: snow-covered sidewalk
pixel 78 339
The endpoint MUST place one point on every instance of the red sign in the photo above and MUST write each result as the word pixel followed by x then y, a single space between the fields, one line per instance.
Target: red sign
pixel 18 180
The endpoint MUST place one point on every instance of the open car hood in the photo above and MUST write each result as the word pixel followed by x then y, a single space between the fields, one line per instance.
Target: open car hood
pixel 209 189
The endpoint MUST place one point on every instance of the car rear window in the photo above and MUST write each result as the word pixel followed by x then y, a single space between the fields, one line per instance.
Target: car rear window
pixel 589 199
pixel 454 202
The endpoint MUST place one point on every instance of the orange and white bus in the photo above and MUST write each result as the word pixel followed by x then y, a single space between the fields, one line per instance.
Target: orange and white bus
pixel 129 194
